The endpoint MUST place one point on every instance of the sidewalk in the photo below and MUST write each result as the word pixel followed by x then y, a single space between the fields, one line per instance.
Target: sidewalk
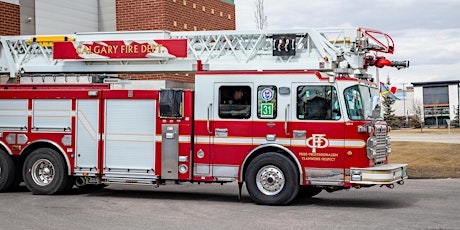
pixel 453 138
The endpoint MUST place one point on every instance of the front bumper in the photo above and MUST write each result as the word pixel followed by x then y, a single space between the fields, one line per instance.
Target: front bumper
pixel 379 175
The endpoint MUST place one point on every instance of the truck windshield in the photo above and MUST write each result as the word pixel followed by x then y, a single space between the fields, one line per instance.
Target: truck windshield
pixel 363 102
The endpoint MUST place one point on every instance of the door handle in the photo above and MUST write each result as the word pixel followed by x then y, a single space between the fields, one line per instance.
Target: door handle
pixel 286 118
pixel 208 119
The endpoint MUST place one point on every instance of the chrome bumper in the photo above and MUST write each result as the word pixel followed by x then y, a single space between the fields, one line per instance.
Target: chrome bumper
pixel 379 175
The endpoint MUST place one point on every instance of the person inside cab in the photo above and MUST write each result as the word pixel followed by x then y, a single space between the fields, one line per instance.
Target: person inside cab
pixel 235 105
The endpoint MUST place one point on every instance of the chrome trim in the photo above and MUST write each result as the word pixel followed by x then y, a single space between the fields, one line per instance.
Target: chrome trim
pixel 300 133
pixel 270 180
pixel 183 158
pixel 286 119
pixel 381 174
pixel 208 119
pixel 225 171
pixel 43 172
pixel 276 146
pixel 325 176
pixel 221 132
pixel 69 170
pixel 201 170
pixel 270 137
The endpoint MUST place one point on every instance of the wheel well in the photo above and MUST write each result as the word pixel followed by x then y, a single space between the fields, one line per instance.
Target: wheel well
pixel 18 159
pixel 2 147
pixel 37 145
pixel 274 149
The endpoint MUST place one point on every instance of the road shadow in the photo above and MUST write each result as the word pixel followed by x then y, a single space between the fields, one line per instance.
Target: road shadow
pixel 168 195
pixel 370 203
pixel 231 196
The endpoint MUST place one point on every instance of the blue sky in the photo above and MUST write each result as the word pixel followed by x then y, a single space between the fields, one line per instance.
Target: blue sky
pixel 425 32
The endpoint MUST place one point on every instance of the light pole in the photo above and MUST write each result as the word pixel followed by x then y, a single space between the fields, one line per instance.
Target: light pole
pixel 404 103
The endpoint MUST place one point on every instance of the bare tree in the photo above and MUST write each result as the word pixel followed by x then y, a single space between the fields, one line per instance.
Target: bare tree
pixel 259 13
pixel 418 114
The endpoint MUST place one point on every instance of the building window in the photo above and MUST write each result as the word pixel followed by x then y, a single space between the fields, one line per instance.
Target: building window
pixel 435 95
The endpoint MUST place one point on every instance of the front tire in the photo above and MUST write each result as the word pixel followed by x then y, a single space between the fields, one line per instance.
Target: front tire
pixel 272 179
pixel 45 172
pixel 8 171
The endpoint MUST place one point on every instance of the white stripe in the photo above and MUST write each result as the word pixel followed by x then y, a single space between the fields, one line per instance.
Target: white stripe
pixel 238 140
pixel 336 143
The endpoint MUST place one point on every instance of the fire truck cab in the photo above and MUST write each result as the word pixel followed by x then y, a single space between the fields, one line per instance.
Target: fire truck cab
pixel 316 131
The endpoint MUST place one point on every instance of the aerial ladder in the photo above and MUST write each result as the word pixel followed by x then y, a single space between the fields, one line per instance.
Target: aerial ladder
pixel 345 51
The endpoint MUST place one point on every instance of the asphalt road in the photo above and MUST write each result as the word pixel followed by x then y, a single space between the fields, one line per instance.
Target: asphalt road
pixel 419 204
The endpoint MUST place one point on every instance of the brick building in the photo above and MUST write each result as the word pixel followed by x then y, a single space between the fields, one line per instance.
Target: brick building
pixel 173 15
pixel 9 18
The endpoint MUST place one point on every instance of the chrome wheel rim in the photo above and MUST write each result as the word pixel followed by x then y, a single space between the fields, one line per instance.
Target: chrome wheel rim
pixel 270 180
pixel 43 172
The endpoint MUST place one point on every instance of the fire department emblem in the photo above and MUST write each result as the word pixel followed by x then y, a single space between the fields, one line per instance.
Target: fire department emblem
pixel 317 141
pixel 267 94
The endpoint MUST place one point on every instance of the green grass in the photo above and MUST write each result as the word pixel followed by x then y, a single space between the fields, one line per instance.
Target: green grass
pixel 426 159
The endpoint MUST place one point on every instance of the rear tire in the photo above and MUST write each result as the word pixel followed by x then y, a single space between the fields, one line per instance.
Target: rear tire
pixel 45 172
pixel 272 179
pixel 8 171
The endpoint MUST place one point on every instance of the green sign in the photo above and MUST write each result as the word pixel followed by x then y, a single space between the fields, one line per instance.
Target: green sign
pixel 267 110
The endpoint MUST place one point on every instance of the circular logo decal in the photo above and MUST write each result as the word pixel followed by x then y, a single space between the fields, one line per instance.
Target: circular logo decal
pixel 267 94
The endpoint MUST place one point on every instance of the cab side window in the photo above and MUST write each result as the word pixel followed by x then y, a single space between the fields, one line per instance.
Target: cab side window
pixel 235 102
pixel 317 103
pixel 266 101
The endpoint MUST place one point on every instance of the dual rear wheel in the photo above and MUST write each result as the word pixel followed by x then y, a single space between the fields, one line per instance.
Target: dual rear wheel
pixel 45 172
pixel 9 176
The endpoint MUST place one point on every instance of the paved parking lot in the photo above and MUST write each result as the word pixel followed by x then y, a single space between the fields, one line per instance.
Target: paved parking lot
pixel 419 204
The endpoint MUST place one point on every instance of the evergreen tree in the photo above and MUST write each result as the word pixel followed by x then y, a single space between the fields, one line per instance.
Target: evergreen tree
pixel 388 111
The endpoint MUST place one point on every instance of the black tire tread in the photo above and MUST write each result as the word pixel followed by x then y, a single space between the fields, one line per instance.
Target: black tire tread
pixel 291 187
pixel 8 175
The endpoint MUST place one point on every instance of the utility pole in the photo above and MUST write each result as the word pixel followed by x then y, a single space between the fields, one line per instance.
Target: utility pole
pixel 404 104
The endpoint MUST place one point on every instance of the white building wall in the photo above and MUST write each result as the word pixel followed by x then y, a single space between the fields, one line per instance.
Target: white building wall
pixel 27 17
pixel 418 99
pixel 453 100
pixel 66 16
pixel 405 103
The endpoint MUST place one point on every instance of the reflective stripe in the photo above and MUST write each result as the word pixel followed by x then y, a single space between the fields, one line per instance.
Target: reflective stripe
pixel 337 143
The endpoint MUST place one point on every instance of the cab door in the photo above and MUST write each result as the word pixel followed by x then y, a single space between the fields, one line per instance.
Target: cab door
pixel 318 132
pixel 232 127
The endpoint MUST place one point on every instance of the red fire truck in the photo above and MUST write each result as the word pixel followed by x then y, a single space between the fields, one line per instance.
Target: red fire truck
pixel 287 112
